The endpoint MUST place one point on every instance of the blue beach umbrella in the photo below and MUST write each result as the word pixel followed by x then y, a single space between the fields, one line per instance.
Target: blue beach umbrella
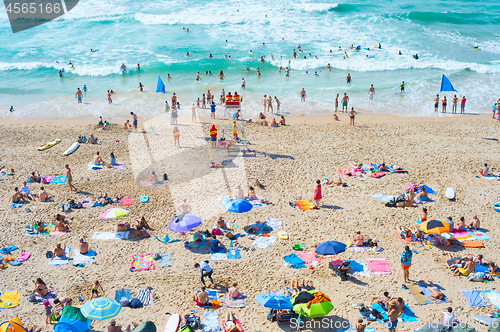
pixel 274 301
pixel 188 222
pixel 330 248
pixel 238 205
pixel 101 308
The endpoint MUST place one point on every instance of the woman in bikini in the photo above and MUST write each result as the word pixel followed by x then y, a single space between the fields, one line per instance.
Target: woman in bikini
pixel 358 240
pixel 422 216
pixel 251 193
pixel 436 294
pixel 40 287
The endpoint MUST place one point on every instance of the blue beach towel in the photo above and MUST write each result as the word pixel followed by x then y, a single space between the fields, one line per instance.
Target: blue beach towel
pixel 219 255
pixel 295 261
pixel 98 204
pixel 59 179
pixel 122 293
pixel 479 235
pixel 383 197
pixel 474 298
pixel 16 205
pixel 233 253
pixel 427 293
pixel 493 296
pixel 407 316
pixel 8 249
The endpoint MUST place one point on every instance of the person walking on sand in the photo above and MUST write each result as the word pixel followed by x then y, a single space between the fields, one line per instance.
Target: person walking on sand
pixel 176 134
pixel 371 92
pixel 317 194
pixel 462 105
pixel 445 102
pixel 436 103
pixel 345 102
pixel 109 97
pixel 303 95
pixel 352 115
pixel 78 95
pixel 454 106
pixel 69 176
pixel 134 120
pixel 405 258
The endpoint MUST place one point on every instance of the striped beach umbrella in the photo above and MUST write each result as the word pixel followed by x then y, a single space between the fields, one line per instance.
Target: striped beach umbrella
pixel 114 213
pixel 101 308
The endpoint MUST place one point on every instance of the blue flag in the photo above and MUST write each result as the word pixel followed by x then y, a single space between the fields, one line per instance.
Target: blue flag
pixel 446 84
pixel 160 87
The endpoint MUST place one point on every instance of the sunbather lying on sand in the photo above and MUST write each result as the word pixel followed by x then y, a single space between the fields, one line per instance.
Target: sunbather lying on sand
pixel 295 287
pixel 357 167
pixel 229 324
pixel 436 294
pixel 117 198
pixel 338 182
pixel 405 232
pixel 102 198
pixel 255 228
pixel 59 251
pixel 383 168
pixel 221 223
pixel 258 184
pixel 201 298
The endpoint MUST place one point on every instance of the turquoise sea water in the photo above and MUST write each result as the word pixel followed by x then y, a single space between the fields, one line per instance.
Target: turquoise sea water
pixel 443 33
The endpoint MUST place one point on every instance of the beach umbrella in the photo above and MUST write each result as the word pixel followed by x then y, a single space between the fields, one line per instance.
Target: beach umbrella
pixel 187 223
pixel 114 213
pixel 101 309
pixel 238 205
pixel 434 227
pixel 330 248
pixel 274 301
pixel 319 309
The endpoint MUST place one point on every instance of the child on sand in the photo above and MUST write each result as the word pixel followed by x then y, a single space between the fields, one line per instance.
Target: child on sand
pixel 48 312
pixel 126 125
pixel 176 134
pixel 95 289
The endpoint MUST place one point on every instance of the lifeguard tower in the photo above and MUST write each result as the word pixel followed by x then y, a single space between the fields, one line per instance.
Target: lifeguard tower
pixel 232 131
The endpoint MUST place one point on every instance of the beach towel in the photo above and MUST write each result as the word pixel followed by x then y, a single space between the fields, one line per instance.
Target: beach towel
pixel 360 249
pixel 212 295
pixel 427 293
pixel 51 295
pixel 379 266
pixel 86 202
pixel 60 260
pixel 96 204
pixel 58 179
pixel 418 295
pixel 92 166
pixel 30 231
pixel 48 228
pixel 117 166
pixel 383 197
pixel 122 293
pixel 144 183
pixel 110 236
pixel 233 253
pixel 234 303
pixel 79 258
pixel 482 268
pixel 144 262
pixel 257 201
pixel 274 223
pixel 474 298
pixel 359 267
pixel 24 257
pixel 308 257
pixel 413 239
pixel 218 256
pixel 9 299
pixel 394 169
pixel 144 295
pixel 165 260
pixel 57 233
pixel 211 321
pixel 264 241
pixel 46 179
pixel 16 205
pixel 295 261
pixel 472 244
pixel 303 205
pixel 125 201
pixel 366 167
pixel 8 250
pixel 407 316
pixel 461 235
pixel 478 235
pixel 417 201
pixel 493 296
pixel 191 242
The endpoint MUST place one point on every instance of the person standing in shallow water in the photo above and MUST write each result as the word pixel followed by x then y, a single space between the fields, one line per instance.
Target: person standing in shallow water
pixel 303 95
pixel 317 194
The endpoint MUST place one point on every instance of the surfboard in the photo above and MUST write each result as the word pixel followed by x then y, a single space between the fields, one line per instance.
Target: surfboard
pixel 450 193
pixel 172 323
pixel 484 319
pixel 71 149
pixel 49 145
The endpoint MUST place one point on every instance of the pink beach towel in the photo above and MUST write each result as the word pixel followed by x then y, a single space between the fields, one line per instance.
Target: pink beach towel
pixel 336 262
pixel 461 234
pixel 379 266
pixel 57 233
pixel 23 257
pixel 360 249
pixel 46 178
pixel 86 202
pixel 117 166
pixel 126 201
pixel 308 257
pixel 142 262
pixel 146 183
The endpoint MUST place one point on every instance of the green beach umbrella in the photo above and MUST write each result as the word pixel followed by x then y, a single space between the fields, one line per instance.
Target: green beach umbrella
pixel 320 309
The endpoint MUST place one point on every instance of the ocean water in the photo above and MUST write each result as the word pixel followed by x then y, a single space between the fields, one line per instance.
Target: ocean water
pixel 442 33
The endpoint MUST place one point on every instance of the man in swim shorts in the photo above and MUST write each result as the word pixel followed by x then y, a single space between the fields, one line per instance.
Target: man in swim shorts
pixel 462 105
pixel 371 92
pixel 70 178
pixel 405 258
pixel 243 83
pixel 79 95
pixel 392 314
pixel 345 101
pixel 436 103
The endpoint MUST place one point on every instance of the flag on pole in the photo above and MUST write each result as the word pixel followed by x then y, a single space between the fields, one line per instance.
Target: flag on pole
pixel 160 87
pixel 446 84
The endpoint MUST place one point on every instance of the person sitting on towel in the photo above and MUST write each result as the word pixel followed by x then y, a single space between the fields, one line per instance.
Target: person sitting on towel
pixel 216 247
pixel 436 294
pixel 153 178
pixel 198 238
pixel 17 196
pixel 251 193
pixel 229 324
pixel 40 287
pixel 35 177
pixel 42 195
pixel 102 198
pixel 358 240
pixel 474 224
pixel 83 247
pixel 59 252
pixel 233 291
pixel 38 226
pixel 141 223
pixel 221 223
pixel 97 159
pixel 492 267
pixel 485 171
pixel 468 268
pixel 461 224
pixel 201 298
pixel 418 234
pixel 60 225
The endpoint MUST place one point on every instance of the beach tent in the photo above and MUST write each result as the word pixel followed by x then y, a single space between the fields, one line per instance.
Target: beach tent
pixel 13 325
pixel 72 320
pixel 145 327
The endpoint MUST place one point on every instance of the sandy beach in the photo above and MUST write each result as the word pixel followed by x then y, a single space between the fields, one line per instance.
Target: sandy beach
pixel 288 160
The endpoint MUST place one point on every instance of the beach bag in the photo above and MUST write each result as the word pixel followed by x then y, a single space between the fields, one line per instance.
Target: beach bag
pixel 136 303
pixel 49 254
pixel 32 298
pixel 193 322
pixel 165 177
pixel 230 236
pixel 216 231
